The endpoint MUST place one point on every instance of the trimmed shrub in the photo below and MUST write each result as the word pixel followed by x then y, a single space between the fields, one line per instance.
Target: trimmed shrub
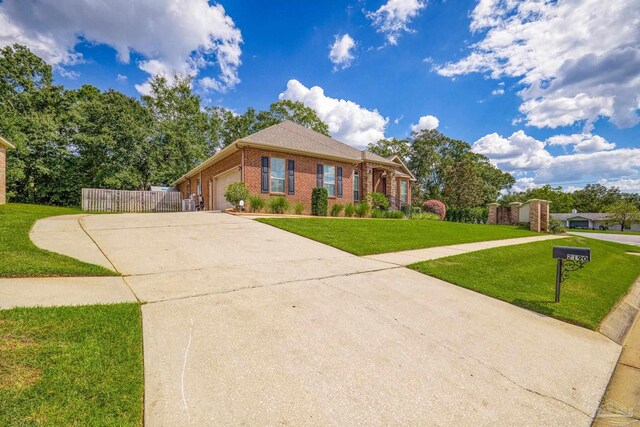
pixel 378 201
pixel 362 209
pixel 256 203
pixel 236 192
pixel 278 205
pixel 349 210
pixel 555 226
pixel 469 215
pixel 298 208
pixel 436 207
pixel 425 215
pixel 319 201
pixel 336 209
pixel 378 213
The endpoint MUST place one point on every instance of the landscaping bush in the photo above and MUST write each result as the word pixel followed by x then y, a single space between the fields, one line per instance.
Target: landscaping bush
pixel 319 201
pixel 349 210
pixel 236 192
pixel 468 215
pixel 298 208
pixel 336 209
pixel 378 201
pixel 378 213
pixel 555 226
pixel 436 207
pixel 426 215
pixel 278 205
pixel 362 209
pixel 256 203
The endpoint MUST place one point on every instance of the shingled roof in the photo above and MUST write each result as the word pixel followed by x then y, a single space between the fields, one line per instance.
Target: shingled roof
pixel 292 136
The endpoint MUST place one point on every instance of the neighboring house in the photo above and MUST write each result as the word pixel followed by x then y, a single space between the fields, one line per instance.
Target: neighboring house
pixel 290 160
pixel 4 145
pixel 590 221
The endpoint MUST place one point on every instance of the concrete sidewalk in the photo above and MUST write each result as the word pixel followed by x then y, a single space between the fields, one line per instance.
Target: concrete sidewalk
pixel 54 291
pixel 417 255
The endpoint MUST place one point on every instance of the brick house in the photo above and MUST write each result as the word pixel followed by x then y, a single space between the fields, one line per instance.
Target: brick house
pixel 290 160
pixel 4 145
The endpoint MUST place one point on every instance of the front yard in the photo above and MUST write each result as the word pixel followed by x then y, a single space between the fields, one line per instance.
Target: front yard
pixel 524 275
pixel 19 257
pixel 375 236
pixel 71 366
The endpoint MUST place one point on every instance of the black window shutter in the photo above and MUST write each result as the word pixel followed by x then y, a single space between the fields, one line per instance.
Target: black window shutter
pixel 339 172
pixel 265 174
pixel 292 177
pixel 320 176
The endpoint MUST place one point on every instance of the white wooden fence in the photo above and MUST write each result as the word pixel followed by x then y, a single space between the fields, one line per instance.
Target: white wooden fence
pixel 100 200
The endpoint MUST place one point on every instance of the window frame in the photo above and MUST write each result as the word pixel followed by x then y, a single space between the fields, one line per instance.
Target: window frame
pixel 272 178
pixel 356 186
pixel 405 198
pixel 326 183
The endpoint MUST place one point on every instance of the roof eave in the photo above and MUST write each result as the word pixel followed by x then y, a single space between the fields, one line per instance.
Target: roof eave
pixel 225 152
pixel 242 143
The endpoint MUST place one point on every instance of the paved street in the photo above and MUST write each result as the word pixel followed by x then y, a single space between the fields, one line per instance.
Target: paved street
pixel 629 239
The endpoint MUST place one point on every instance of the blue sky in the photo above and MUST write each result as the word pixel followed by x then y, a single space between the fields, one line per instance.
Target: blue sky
pixel 544 90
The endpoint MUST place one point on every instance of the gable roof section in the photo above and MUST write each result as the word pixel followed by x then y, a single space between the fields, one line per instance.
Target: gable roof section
pixel 593 216
pixel 5 143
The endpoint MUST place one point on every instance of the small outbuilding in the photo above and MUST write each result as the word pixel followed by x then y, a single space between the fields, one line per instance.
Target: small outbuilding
pixel 4 145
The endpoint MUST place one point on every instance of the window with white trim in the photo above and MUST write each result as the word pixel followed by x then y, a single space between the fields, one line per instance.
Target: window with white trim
pixel 277 175
pixel 356 186
pixel 403 190
pixel 329 179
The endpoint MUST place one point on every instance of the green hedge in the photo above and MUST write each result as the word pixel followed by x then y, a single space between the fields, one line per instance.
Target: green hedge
pixel 319 201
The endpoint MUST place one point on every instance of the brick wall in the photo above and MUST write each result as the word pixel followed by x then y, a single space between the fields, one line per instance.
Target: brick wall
pixel 305 176
pixel 3 176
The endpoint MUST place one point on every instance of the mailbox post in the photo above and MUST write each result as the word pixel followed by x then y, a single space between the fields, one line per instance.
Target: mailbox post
pixel 569 259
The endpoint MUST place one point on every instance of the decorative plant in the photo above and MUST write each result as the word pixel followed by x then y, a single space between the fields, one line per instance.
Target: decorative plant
pixel 236 192
pixel 298 208
pixel 377 213
pixel 378 201
pixel 278 205
pixel 436 207
pixel 336 209
pixel 362 209
pixel 426 215
pixel 319 201
pixel 349 210
pixel 256 203
pixel 555 226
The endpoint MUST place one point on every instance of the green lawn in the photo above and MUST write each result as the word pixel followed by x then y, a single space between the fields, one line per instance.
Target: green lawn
pixel 66 366
pixel 19 257
pixel 524 275
pixel 375 236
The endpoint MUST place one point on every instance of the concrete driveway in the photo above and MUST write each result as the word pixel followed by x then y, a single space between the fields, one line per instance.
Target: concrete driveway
pixel 248 324
pixel 629 239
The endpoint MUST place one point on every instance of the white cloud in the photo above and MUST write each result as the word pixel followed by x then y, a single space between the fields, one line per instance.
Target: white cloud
pixel 393 17
pixel 341 53
pixel 527 157
pixel 426 122
pixel 497 92
pixel 577 60
pixel 582 142
pixel 348 121
pixel 524 184
pixel 172 36
pixel 626 184
pixel 121 78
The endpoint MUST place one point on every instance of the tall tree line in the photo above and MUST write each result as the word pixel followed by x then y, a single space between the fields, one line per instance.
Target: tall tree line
pixel 69 139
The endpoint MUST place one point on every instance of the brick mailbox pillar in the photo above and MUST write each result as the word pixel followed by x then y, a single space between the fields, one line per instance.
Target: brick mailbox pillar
pixel 539 215
pixel 493 213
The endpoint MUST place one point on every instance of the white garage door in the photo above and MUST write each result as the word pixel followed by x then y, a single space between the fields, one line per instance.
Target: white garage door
pixel 221 185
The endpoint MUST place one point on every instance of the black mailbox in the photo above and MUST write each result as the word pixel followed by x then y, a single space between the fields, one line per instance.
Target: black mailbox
pixel 569 253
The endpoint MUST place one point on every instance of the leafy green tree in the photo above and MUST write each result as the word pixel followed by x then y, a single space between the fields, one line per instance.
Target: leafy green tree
pixel 623 213
pixel 391 147
pixel 180 131
pixel 595 198
pixel 294 111
pixel 560 201
pixel 462 185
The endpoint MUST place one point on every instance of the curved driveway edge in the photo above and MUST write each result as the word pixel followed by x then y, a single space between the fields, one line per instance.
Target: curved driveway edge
pixel 65 235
